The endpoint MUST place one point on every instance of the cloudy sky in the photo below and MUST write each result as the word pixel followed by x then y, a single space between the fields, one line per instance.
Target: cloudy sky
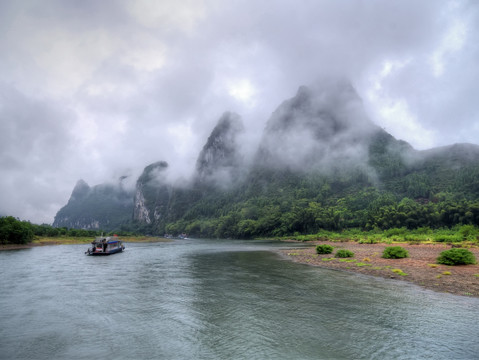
pixel 98 89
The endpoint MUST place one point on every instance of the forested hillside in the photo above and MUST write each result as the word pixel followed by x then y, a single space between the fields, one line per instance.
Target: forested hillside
pixel 321 164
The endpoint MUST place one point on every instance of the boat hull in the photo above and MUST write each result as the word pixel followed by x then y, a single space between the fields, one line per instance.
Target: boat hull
pixel 101 253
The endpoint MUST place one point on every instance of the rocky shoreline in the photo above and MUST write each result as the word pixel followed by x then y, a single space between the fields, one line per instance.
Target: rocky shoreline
pixel 419 268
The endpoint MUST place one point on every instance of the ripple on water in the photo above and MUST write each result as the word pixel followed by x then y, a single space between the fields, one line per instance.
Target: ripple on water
pixel 217 300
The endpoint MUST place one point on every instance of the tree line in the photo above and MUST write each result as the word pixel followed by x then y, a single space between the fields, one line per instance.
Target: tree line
pixel 366 210
pixel 15 231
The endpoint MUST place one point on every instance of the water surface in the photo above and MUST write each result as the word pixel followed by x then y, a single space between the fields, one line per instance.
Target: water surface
pixel 210 299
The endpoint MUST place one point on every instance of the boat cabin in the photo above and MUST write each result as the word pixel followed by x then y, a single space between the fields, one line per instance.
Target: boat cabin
pixel 106 246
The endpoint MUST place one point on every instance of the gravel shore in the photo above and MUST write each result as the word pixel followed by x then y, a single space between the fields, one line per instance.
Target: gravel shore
pixel 419 268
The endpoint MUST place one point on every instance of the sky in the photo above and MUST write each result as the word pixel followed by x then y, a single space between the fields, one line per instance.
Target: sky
pixel 95 90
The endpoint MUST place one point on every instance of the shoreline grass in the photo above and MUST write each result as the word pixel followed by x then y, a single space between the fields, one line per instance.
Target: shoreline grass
pixel 70 240
pixel 465 235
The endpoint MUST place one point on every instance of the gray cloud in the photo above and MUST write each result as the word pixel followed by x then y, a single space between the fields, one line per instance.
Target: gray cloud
pixel 96 90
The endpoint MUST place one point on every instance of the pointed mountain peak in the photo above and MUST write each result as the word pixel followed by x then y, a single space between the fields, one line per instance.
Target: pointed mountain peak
pixel 220 152
pixel 80 190
pixel 324 121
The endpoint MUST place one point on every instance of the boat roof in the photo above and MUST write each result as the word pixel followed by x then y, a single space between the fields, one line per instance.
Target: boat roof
pixel 107 239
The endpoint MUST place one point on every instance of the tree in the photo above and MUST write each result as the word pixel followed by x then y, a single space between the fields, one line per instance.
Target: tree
pixel 14 231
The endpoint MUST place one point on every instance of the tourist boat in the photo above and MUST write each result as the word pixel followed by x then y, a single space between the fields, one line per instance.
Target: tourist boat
pixel 106 246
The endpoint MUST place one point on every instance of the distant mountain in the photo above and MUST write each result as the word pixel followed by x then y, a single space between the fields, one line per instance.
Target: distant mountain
pixel 105 206
pixel 321 164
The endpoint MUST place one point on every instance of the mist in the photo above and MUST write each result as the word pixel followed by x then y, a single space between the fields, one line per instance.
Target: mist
pixel 99 90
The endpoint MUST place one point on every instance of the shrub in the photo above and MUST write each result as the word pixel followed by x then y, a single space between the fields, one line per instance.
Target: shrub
pixel 324 249
pixel 447 238
pixel 456 256
pixel 395 252
pixel 343 253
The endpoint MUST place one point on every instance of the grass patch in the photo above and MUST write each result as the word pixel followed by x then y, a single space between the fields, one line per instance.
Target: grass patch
pixel 71 240
pixel 362 264
pixel 347 260
pixel 399 272
pixel 327 259
pixel 456 234
pixel 67 240
pixel 433 265
pixel 446 273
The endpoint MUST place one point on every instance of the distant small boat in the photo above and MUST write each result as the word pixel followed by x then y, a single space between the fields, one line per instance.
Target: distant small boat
pixel 105 246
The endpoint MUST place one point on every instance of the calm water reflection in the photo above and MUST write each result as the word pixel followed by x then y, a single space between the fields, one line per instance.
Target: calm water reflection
pixel 206 299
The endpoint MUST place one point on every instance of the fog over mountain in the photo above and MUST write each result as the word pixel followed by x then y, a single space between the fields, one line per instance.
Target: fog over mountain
pixel 318 150
pixel 322 124
pixel 98 90
pixel 220 161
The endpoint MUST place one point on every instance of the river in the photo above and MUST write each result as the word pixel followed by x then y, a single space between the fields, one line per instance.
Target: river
pixel 212 299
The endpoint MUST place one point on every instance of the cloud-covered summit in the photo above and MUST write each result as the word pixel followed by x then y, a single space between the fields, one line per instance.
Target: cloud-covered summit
pixel 322 125
pixel 220 159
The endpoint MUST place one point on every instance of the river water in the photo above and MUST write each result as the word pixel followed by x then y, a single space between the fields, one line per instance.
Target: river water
pixel 211 299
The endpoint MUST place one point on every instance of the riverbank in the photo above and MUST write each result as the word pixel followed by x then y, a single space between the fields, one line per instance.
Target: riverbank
pixel 47 241
pixel 419 268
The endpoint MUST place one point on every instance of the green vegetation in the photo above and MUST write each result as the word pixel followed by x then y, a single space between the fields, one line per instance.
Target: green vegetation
pixel 395 235
pixel 399 272
pixel 395 252
pixel 324 249
pixel 15 231
pixel 343 253
pixel 456 256
pixel 292 211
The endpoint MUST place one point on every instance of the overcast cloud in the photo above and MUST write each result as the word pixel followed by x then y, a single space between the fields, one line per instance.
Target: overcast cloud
pixel 98 89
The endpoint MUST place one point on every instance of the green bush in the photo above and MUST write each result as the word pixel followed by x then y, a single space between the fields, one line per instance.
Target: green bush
pixel 324 249
pixel 14 231
pixel 456 256
pixel 343 253
pixel 447 238
pixel 395 252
